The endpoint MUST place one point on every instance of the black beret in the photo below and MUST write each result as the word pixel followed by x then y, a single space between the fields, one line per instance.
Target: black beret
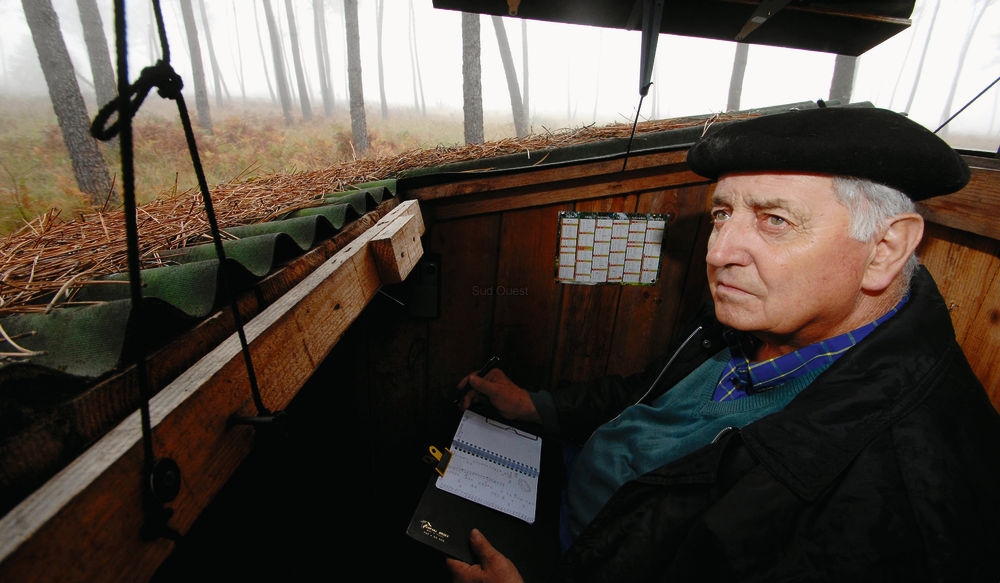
pixel 862 142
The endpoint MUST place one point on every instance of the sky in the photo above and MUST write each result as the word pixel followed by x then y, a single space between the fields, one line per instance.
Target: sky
pixel 577 75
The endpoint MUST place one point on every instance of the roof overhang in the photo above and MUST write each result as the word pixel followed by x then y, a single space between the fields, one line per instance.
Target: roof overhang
pixel 846 27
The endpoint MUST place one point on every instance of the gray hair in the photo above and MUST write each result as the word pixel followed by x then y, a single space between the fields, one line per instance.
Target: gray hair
pixel 872 205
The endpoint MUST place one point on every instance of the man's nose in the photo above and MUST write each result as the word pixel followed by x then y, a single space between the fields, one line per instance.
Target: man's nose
pixel 727 245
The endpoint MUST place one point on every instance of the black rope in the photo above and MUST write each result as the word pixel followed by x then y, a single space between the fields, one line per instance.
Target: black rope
pixel 161 477
pixel 973 100
pixel 635 122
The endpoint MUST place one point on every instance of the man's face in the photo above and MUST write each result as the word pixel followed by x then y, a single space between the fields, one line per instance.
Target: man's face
pixel 780 262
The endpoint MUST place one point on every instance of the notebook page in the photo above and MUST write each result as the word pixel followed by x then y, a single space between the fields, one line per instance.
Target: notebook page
pixel 495 465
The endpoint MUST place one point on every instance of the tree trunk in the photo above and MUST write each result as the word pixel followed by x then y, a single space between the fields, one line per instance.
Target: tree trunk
pixel 418 82
pixel 105 86
pixel 981 6
pixel 842 84
pixel 524 71
pixel 736 79
pixel 280 78
pixel 906 57
pixel 379 10
pixel 597 76
pixel 516 105
pixel 923 59
pixel 359 127
pixel 300 75
pixel 197 68
pixel 220 83
pixel 472 79
pixel 89 166
pixel 322 56
pixel 263 56
pixel 239 59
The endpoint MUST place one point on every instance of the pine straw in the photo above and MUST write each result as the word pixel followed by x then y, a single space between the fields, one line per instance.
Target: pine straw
pixel 49 258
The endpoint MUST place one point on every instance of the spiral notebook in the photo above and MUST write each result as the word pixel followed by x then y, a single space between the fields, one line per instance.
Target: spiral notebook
pixel 495 465
pixel 491 483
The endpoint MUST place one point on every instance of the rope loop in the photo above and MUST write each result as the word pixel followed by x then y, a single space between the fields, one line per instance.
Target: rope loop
pixel 161 75
pixel 165 79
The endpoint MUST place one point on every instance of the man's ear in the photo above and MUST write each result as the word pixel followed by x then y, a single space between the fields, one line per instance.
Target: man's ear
pixel 890 254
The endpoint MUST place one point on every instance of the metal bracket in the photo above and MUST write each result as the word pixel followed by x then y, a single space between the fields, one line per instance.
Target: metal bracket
pixel 764 11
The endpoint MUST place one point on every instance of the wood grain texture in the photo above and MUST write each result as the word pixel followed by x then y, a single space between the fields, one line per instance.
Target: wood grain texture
pixel 966 268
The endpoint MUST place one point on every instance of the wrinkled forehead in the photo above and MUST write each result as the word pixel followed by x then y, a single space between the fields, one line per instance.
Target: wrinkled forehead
pixel 786 187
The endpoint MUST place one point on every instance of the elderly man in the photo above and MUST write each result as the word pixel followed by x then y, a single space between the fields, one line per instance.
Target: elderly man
pixel 824 424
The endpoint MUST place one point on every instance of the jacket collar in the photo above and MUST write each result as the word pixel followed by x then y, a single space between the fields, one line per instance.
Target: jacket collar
pixel 812 440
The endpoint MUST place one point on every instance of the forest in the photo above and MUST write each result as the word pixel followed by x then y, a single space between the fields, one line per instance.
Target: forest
pixel 279 86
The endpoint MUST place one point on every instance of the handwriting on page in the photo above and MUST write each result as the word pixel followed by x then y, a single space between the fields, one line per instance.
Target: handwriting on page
pixel 495 465
pixel 500 488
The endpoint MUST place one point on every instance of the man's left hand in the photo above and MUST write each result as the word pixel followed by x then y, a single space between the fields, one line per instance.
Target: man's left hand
pixel 493 566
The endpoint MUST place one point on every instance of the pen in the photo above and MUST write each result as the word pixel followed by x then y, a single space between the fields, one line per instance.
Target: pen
pixel 489 365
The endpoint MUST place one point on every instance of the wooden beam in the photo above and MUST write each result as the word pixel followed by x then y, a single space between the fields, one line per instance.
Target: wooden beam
pixel 974 208
pixel 85 523
pixel 558 193
pixel 561 174
pixel 397 247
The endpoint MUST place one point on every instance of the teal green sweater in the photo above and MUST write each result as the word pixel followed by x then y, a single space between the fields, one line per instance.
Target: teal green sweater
pixel 645 437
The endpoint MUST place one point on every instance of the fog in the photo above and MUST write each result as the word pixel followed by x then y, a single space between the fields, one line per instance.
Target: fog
pixel 576 75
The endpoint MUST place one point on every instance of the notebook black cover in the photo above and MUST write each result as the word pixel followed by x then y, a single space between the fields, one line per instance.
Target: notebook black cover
pixel 443 521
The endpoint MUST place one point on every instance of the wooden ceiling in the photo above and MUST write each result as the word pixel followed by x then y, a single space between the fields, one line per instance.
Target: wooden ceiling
pixel 846 27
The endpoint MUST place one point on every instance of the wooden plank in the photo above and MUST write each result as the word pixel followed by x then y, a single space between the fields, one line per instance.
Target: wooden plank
pixel 695 290
pixel 647 314
pixel 479 183
pixel 588 315
pixel 84 524
pixel 461 335
pixel 611 185
pixel 973 209
pixel 526 319
pixel 966 268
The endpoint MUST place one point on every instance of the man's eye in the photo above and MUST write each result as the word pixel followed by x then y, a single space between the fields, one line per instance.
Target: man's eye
pixel 776 221
pixel 719 215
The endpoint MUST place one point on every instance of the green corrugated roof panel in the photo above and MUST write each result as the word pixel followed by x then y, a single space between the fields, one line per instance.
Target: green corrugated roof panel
pixel 192 288
pixel 337 214
pixel 87 339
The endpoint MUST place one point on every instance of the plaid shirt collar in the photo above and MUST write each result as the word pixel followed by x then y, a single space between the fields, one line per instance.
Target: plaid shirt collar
pixel 742 377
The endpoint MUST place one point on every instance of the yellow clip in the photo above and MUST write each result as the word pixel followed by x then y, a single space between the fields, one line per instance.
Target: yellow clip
pixel 442 459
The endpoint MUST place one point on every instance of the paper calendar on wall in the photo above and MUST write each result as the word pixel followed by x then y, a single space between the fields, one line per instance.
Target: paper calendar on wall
pixel 621 248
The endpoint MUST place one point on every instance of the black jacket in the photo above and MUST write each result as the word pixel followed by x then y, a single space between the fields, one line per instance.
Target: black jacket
pixel 886 468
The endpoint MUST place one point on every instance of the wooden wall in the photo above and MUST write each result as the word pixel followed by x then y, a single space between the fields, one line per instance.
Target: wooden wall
pixel 499 291
pixel 494 239
pixel 961 248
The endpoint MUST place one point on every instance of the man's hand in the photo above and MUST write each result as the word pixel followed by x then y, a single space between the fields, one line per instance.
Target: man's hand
pixel 507 398
pixel 493 566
